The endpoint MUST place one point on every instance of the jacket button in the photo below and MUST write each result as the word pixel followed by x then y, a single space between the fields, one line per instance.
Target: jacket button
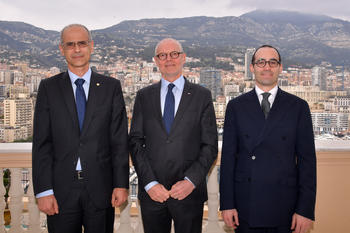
pixel 253 157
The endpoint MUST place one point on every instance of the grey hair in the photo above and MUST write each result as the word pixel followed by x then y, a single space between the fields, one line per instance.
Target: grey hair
pixel 168 39
pixel 75 25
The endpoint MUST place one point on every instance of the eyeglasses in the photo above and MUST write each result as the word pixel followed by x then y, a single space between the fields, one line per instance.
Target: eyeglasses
pixel 164 56
pixel 273 63
pixel 80 44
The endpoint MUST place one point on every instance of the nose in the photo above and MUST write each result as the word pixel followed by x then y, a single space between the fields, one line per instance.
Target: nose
pixel 76 47
pixel 267 66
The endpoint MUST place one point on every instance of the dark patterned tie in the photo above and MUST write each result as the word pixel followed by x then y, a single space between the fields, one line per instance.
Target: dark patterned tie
pixel 169 108
pixel 80 101
pixel 265 104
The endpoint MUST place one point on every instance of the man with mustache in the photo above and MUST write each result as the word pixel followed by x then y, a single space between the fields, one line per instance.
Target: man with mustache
pixel 268 163
pixel 80 151
pixel 173 143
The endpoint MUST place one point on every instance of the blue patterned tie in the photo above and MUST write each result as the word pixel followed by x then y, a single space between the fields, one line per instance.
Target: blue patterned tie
pixel 169 108
pixel 80 101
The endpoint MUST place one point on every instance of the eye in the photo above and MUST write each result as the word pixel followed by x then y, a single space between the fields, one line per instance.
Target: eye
pixel 69 44
pixel 82 43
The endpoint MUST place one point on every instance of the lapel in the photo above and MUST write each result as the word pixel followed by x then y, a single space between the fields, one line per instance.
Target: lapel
pixel 186 98
pixel 68 96
pixel 253 108
pixel 279 109
pixel 156 104
pixel 94 93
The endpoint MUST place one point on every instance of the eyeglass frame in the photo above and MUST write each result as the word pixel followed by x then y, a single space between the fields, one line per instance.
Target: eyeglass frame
pixel 267 62
pixel 73 44
pixel 171 56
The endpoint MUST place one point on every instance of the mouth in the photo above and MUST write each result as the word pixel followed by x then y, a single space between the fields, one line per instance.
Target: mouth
pixel 169 65
pixel 266 73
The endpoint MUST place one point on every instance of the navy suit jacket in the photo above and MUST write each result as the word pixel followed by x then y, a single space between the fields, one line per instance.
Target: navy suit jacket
pixel 101 146
pixel 268 167
pixel 190 148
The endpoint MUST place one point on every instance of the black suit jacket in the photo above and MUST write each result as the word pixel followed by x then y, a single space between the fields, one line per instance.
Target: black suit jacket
pixel 268 167
pixel 189 150
pixel 101 146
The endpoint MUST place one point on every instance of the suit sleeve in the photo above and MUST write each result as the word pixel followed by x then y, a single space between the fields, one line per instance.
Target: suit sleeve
pixel 306 164
pixel 228 160
pixel 42 156
pixel 199 169
pixel 137 145
pixel 119 140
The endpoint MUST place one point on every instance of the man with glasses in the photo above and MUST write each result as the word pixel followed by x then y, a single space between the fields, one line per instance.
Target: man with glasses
pixel 268 163
pixel 80 150
pixel 173 143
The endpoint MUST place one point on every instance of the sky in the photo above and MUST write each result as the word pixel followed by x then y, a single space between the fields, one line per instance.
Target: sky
pixel 98 14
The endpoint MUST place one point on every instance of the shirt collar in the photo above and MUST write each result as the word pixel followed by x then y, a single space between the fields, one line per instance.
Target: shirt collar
pixel 179 83
pixel 273 91
pixel 87 76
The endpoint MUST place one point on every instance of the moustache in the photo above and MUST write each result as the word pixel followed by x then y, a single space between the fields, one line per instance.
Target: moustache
pixel 77 55
pixel 266 72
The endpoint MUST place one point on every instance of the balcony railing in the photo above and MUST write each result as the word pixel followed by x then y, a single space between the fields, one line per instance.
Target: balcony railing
pixel 20 212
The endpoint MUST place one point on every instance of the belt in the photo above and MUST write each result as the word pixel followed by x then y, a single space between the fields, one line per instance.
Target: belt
pixel 79 175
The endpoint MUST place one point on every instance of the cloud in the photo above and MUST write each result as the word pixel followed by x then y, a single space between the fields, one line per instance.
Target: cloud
pixel 100 14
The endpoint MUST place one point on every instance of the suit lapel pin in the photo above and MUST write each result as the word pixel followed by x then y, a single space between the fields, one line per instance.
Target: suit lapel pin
pixel 98 84
pixel 188 93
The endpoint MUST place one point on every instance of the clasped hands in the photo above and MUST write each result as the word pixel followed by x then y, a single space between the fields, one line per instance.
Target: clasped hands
pixel 178 191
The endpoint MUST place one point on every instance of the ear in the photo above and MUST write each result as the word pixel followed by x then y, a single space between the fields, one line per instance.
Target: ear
pixel 61 49
pixel 251 67
pixel 281 68
pixel 184 58
pixel 92 46
pixel 156 61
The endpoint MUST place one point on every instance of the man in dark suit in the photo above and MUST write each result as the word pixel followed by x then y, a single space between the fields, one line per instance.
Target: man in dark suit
pixel 268 163
pixel 173 143
pixel 80 151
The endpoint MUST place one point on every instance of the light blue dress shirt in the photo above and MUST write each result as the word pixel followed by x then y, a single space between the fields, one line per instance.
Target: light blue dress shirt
pixel 177 91
pixel 86 85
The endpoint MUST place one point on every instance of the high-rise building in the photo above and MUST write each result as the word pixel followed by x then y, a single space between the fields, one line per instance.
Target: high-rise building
pixel 19 113
pixel 6 76
pixel 19 91
pixel 319 77
pixel 247 60
pixel 211 79
pixel 326 122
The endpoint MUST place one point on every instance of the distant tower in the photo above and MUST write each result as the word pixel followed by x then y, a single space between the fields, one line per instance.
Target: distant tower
pixel 211 79
pixel 247 60
pixel 319 77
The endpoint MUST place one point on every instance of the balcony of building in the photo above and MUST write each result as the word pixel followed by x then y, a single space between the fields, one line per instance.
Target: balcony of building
pixel 19 213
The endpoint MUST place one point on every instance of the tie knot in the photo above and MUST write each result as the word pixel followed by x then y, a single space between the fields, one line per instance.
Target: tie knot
pixel 79 82
pixel 171 86
pixel 266 95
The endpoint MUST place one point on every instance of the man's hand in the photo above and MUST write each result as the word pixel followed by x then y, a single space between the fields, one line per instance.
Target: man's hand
pixel 230 218
pixel 119 196
pixel 48 204
pixel 181 189
pixel 158 193
pixel 300 224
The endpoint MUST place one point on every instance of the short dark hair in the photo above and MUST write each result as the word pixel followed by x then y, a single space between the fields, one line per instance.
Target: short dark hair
pixel 266 46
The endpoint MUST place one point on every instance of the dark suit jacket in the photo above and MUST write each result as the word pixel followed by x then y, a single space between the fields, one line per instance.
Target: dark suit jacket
pixel 268 167
pixel 101 146
pixel 189 150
